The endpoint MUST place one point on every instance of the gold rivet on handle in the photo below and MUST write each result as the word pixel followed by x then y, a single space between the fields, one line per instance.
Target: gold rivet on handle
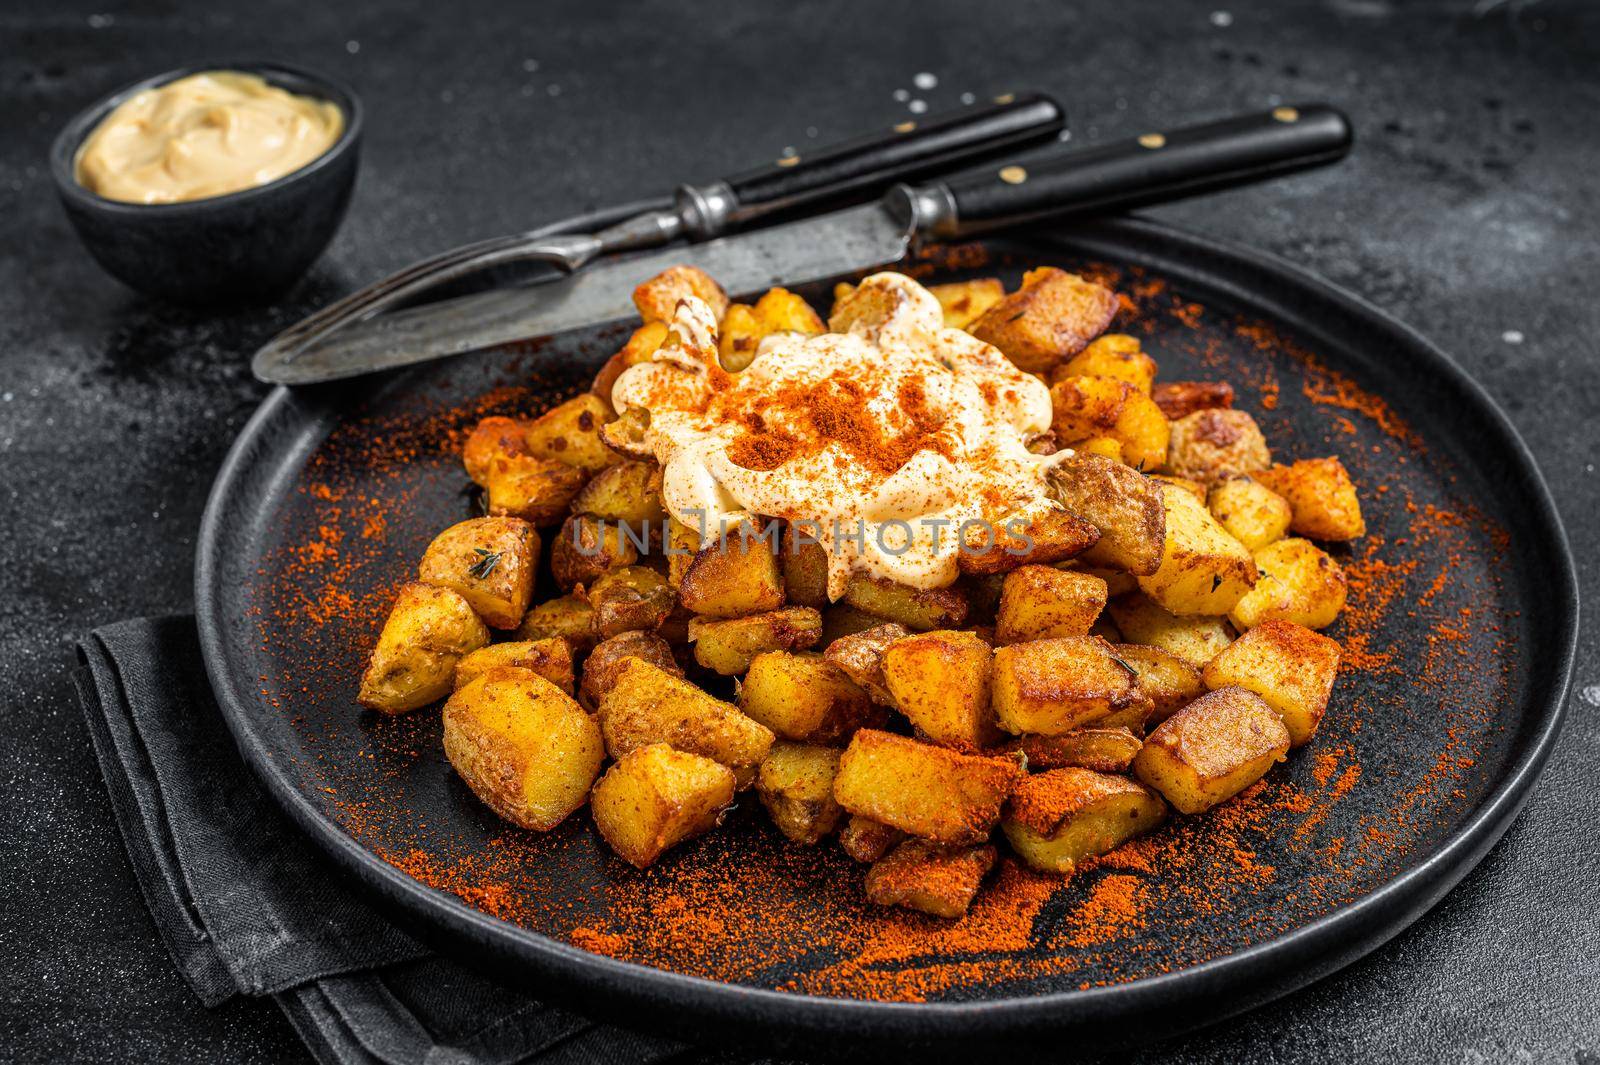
pixel 1005 98
pixel 789 160
pixel 1013 175
pixel 1286 114
pixel 905 127
pixel 1152 141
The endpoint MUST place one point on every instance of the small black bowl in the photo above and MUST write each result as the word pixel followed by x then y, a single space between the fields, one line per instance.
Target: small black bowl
pixel 245 246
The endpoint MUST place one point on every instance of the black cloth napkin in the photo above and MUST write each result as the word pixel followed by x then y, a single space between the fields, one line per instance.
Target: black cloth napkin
pixel 247 906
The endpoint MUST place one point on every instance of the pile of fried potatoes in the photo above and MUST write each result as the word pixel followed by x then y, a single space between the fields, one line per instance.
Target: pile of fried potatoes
pixel 1157 647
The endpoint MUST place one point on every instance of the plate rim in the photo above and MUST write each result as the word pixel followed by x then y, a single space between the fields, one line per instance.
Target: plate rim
pixel 1203 993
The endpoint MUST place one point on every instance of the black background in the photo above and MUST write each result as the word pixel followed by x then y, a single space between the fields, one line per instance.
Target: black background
pixel 1469 208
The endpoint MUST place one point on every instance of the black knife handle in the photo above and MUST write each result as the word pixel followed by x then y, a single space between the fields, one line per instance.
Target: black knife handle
pixel 866 167
pixel 1155 167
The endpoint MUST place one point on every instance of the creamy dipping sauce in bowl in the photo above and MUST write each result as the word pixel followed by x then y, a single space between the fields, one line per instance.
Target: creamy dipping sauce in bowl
pixel 204 135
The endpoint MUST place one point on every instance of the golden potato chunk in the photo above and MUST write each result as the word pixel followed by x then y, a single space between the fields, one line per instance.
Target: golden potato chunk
pixel 1179 399
pixel 1053 686
pixel 1104 446
pixel 626 492
pixel 655 798
pixel 935 880
pixel 1289 666
pixel 860 656
pixel 571 618
pixel 1052 536
pixel 428 631
pixel 1299 583
pixel 795 783
pixel 728 646
pixel 628 435
pixel 1168 681
pixel 640 346
pixel 1123 505
pixel 648 705
pixel 744 326
pixel 1105 750
pixel 492 440
pixel 963 302
pixel 1113 355
pixel 1196 640
pixel 550 658
pixel 1212 749
pixel 490 562
pixel 1203 569
pixel 805 569
pixel 734 575
pixel 1252 513
pixel 600 669
pixel 802 697
pixel 1322 498
pixel 588 547
pixel 1209 445
pixel 1167 480
pixel 932 792
pixel 523 746
pixel 534 489
pixel 1057 819
pixel 1052 317
pixel 1039 602
pixel 940 681
pixel 917 609
pixel 657 299
pixel 842 620
pixel 633 597
pixel 1089 407
pixel 867 840
pixel 570 433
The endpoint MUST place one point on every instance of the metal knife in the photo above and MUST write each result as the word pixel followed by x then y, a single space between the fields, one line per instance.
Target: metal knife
pixel 1154 167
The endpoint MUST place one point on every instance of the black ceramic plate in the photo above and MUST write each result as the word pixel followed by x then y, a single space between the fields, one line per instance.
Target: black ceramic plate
pixel 1459 638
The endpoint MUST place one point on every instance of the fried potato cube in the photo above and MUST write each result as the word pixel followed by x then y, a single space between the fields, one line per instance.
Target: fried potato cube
pixel 648 705
pixel 490 562
pixel 657 299
pixel 1104 446
pixel 1209 445
pixel 1113 355
pixel 805 568
pixel 1057 819
pixel 537 490
pixel 549 658
pixel 1179 399
pixel 1053 686
pixel 1040 602
pixel 600 669
pixel 1169 682
pixel 571 618
pixel 729 646
pixel 923 790
pixel 1203 569
pixel 841 620
pixel 1102 749
pixel 523 746
pixel 940 681
pixel 1299 583
pixel 920 610
pixel 782 311
pixel 654 798
pixel 627 492
pixel 964 302
pixel 586 548
pixel 492 440
pixel 935 880
pixel 738 337
pixel 867 840
pixel 1196 640
pixel 795 783
pixel 1252 513
pixel 1125 506
pixel 633 597
pixel 805 698
pixel 734 575
pixel 428 631
pixel 744 326
pixel 1088 407
pixel 1182 484
pixel 1052 317
pixel 1052 536
pixel 1212 749
pixel 570 432
pixel 1288 665
pixel 860 656
pixel 628 434
pixel 640 346
pixel 1322 498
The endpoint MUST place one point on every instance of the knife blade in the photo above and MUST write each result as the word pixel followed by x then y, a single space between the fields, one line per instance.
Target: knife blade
pixel 1153 167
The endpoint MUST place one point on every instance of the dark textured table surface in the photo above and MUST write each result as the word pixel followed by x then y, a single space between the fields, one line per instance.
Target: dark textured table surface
pixel 1469 209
